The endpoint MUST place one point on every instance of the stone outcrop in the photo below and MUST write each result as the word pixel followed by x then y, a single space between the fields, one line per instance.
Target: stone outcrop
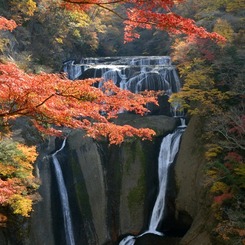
pixel 113 188
pixel 116 181
pixel 192 206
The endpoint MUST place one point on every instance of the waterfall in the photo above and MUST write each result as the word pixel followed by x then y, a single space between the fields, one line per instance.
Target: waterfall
pixel 64 198
pixel 168 150
pixel 131 73
pixel 72 70
pixel 138 74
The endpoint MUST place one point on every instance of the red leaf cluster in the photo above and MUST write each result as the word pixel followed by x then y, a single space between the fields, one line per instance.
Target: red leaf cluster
pixel 233 157
pixel 221 198
pixel 6 190
pixel 52 101
pixel 7 24
pixel 148 14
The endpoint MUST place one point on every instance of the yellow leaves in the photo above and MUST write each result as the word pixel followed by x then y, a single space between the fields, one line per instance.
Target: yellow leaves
pixel 16 178
pixel 198 93
pixel 20 205
pixel 225 29
pixel 4 42
pixel 212 151
pixel 240 173
pixel 29 152
pixel 6 170
pixel 219 188
pixel 31 7
pixel 196 74
pixel 25 7
pixel 235 5
pixel 25 161
pixel 76 33
pixel 212 173
pixel 59 40
pixel 81 19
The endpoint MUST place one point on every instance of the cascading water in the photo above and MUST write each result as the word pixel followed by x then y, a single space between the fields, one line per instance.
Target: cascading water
pixel 64 198
pixel 168 150
pixel 138 74
pixel 131 73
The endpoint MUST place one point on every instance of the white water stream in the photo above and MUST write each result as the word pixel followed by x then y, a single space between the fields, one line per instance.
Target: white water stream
pixel 138 74
pixel 64 198
pixel 130 73
pixel 168 150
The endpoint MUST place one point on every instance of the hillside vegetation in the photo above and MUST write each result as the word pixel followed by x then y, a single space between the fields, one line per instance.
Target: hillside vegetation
pixel 214 89
pixel 212 75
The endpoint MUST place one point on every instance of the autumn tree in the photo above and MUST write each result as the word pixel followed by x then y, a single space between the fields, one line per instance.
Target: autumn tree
pixel 17 182
pixel 53 102
pixel 51 99
pixel 146 15
pixel 22 9
pixel 7 24
pixel 48 98
pixel 65 32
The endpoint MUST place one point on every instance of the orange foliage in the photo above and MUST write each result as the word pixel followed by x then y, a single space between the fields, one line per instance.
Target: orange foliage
pixel 51 99
pixel 17 182
pixel 226 230
pixel 3 220
pixel 147 14
pixel 6 190
pixel 223 197
pixel 7 24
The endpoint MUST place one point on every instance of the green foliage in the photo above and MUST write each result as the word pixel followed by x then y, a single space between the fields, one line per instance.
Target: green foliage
pixel 240 175
pixel 213 78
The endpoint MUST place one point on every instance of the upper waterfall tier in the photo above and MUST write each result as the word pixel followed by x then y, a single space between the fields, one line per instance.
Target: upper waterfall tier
pixel 136 73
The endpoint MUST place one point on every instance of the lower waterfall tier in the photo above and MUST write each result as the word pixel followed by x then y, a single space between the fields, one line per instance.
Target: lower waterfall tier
pixel 112 189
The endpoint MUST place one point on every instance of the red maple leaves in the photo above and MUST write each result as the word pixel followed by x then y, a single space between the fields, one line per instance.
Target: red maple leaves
pixel 53 101
pixel 7 24
pixel 147 14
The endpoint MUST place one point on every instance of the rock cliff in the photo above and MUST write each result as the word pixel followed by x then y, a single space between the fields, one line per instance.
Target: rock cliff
pixel 192 202
pixel 112 189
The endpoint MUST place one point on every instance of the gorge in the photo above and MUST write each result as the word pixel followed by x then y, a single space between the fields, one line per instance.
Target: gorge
pixel 112 189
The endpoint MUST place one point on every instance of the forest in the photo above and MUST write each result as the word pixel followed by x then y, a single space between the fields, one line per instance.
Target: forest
pixel 204 38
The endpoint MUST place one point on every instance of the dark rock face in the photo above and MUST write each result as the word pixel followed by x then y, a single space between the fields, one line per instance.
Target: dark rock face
pixel 151 239
pixel 118 181
pixel 192 207
pixel 112 189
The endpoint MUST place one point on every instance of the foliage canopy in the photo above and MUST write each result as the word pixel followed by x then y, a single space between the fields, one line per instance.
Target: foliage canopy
pixel 147 15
